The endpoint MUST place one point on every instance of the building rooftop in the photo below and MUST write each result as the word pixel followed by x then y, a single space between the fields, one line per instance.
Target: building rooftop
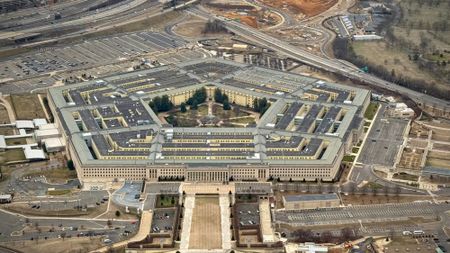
pixel 109 121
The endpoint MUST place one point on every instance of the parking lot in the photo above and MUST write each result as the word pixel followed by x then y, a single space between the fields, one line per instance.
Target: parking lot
pixel 163 220
pixel 16 228
pixel 247 214
pixel 383 141
pixel 367 213
pixel 87 53
pixel 98 69
pixel 162 188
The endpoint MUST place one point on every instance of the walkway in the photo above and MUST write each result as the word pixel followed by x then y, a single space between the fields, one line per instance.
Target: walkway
pixel 189 204
pixel 224 202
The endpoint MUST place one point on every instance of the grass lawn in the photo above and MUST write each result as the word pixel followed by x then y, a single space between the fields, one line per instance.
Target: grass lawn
pixel 27 107
pixel 58 192
pixel 349 158
pixel 378 53
pixel 163 201
pixel 243 120
pixel 247 198
pixel 405 176
pixel 367 124
pixel 190 117
pixel 372 185
pixel 371 110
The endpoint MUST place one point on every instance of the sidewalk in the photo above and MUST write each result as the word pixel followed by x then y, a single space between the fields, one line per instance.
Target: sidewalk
pixel 189 204
pixel 224 203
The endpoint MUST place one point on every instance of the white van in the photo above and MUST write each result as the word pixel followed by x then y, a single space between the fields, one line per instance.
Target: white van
pixel 418 232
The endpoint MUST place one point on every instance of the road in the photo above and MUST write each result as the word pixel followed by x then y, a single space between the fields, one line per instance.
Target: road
pixel 9 109
pixel 330 65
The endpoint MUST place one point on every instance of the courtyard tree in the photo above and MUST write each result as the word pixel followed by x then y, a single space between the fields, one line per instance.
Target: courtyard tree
pixel 226 105
pixel 218 96
pixel 183 107
pixel 70 165
pixel 199 97
pixel 194 105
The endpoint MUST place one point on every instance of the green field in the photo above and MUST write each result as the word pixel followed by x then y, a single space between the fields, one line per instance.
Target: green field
pixel 163 201
pixel 58 192
pixel 371 110
pixel 349 158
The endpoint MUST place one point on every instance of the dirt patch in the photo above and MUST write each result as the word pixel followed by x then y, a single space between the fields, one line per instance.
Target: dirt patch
pixel 250 15
pixel 59 175
pixel 58 245
pixel 248 20
pixel 27 107
pixel 308 8
pixel 206 224
pixel 193 28
pixel 4 118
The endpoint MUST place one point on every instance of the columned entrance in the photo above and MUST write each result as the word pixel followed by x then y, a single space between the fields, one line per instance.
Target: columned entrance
pixel 205 175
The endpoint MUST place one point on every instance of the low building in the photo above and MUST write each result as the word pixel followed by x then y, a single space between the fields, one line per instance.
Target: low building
pixel 367 37
pixel 46 134
pixel 24 124
pixel 310 201
pixel 307 247
pixel 53 145
pixel 47 126
pixel 39 122
pixel 34 154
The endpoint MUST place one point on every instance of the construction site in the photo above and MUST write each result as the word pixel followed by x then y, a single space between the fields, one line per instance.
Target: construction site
pixel 241 11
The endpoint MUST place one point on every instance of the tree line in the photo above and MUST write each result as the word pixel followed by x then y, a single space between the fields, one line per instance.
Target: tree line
pixel 222 98
pixel 260 105
pixel 343 50
pixel 214 26
pixel 161 104
pixel 199 97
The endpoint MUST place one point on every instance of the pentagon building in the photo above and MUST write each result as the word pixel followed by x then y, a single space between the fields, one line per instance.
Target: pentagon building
pixel 112 133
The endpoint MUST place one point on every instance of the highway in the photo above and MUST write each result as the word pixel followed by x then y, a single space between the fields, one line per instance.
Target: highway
pixel 330 65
